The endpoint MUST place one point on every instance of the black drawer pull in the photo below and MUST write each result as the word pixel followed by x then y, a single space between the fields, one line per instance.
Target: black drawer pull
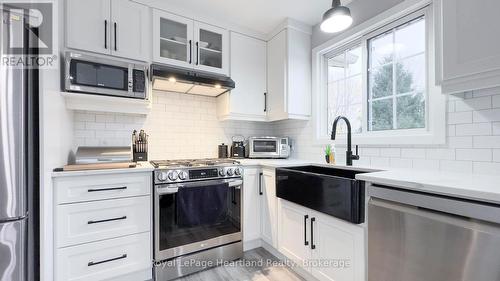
pixel 312 233
pixel 107 220
pixel 260 183
pixel 107 189
pixel 305 230
pixel 92 263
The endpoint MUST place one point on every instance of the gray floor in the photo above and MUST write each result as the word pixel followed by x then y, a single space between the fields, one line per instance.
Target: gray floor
pixel 249 268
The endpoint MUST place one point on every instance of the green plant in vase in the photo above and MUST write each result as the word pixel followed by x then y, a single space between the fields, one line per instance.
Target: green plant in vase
pixel 328 152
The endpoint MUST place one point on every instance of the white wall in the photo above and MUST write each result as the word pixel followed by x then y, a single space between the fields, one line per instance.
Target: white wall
pixel 472 146
pixel 179 126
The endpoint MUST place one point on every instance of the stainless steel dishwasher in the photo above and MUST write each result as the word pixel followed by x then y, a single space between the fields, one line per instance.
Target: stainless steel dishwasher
pixel 415 236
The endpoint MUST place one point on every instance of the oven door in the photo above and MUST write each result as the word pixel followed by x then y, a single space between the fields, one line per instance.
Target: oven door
pixel 190 217
pixel 264 148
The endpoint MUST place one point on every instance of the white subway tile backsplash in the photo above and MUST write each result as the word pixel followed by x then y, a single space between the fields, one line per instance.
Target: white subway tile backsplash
pixel 474 154
pixel 474 129
pixel 460 142
pixel 460 117
pixel 496 101
pixel 183 126
pixel 400 163
pixel 179 126
pixel 390 152
pixel 486 168
pixel 440 153
pixel 413 153
pixel 426 164
pixel 456 166
pixel 488 115
pixel 487 142
pixel 496 155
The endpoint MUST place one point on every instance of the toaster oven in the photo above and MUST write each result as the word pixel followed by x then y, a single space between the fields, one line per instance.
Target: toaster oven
pixel 267 147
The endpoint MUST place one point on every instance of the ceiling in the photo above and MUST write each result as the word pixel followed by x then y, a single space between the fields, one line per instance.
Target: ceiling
pixel 259 15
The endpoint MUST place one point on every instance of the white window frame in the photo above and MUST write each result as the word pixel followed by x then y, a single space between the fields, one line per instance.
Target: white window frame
pixel 435 131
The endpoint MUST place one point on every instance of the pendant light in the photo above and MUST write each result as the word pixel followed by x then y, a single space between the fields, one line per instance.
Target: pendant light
pixel 336 19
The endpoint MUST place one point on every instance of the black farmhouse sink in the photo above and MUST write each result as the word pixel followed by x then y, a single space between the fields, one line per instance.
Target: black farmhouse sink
pixel 333 191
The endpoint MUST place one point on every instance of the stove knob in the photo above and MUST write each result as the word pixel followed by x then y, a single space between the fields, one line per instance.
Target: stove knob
pixel 237 171
pixel 162 176
pixel 230 172
pixel 222 173
pixel 183 175
pixel 172 175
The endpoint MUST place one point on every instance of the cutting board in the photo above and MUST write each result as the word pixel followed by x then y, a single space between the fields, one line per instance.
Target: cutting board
pixel 99 166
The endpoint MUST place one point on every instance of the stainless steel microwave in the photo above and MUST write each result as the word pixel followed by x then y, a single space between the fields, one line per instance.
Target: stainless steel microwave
pixel 102 76
pixel 267 147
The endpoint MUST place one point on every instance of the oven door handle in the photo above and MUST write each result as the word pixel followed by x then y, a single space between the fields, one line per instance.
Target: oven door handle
pixel 174 188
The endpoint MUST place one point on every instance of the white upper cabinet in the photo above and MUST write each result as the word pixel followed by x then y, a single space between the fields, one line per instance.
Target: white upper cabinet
pixel 468 44
pixel 130 30
pixel 289 75
pixel 248 69
pixel 88 25
pixel 172 39
pixel 212 48
pixel 183 42
pixel 112 27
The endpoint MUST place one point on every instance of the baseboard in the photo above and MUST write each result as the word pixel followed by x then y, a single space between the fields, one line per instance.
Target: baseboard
pixel 300 271
pixel 252 244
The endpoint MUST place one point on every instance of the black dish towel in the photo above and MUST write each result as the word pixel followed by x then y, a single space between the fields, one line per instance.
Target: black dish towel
pixel 202 205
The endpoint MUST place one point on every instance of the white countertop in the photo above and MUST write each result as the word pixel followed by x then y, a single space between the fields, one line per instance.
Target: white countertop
pixel 470 186
pixel 484 188
pixel 140 168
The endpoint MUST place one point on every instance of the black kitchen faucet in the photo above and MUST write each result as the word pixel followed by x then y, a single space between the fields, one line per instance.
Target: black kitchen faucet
pixel 349 155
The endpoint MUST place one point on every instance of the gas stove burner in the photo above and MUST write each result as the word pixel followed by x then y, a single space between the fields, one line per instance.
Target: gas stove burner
pixel 186 163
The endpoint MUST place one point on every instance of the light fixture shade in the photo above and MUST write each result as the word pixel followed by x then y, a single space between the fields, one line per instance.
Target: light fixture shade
pixel 336 19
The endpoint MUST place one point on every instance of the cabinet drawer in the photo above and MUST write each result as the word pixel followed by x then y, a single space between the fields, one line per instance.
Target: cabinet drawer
pixel 105 259
pixel 92 221
pixel 99 187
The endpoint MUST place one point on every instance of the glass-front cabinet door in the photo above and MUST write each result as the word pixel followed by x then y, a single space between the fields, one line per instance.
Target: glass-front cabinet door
pixel 173 39
pixel 212 48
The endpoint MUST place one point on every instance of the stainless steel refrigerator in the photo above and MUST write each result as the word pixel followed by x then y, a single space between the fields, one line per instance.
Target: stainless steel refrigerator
pixel 19 175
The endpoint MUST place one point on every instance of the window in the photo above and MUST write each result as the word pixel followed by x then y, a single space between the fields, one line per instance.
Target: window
pixel 382 81
pixel 397 78
pixel 344 92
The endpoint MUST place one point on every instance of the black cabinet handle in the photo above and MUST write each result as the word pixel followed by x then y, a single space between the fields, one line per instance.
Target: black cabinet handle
pixel 92 263
pixel 115 35
pixel 190 51
pixel 265 102
pixel 305 230
pixel 107 189
pixel 312 233
pixel 105 34
pixel 107 220
pixel 260 183
pixel 197 53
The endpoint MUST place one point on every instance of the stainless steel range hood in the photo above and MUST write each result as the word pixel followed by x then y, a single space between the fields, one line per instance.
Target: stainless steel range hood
pixel 179 80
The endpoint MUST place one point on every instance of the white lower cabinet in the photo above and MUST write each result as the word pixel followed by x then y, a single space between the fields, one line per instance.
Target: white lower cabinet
pixel 251 205
pixel 269 222
pixel 327 248
pixel 91 221
pixel 102 227
pixel 294 232
pixel 103 260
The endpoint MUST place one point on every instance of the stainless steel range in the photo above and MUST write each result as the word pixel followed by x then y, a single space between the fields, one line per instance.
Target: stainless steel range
pixel 197 215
